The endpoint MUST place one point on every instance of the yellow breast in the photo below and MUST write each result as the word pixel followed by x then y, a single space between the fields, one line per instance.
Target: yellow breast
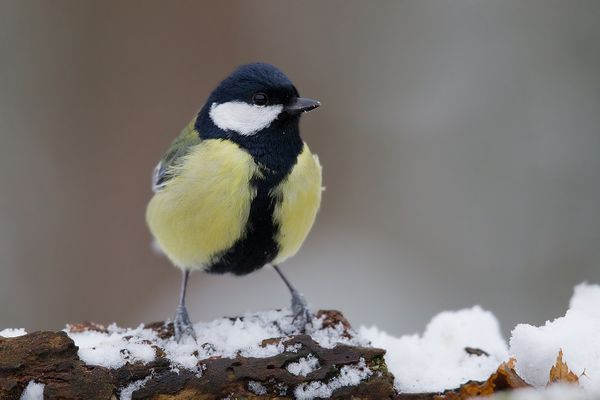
pixel 204 208
pixel 300 195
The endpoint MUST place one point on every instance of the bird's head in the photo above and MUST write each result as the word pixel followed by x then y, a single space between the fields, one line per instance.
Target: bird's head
pixel 253 99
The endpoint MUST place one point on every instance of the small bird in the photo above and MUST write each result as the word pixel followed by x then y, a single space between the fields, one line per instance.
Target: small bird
pixel 238 188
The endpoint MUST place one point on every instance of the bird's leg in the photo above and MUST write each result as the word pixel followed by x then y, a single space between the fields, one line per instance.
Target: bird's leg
pixel 182 323
pixel 302 314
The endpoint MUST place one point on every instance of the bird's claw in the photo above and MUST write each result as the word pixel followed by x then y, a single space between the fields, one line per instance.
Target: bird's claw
pixel 303 316
pixel 182 324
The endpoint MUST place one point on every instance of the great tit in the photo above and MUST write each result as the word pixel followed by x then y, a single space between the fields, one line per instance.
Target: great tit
pixel 238 188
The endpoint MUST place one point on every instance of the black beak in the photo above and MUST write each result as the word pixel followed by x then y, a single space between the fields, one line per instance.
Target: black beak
pixel 300 105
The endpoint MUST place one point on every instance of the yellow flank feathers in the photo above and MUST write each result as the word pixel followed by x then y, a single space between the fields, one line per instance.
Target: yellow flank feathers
pixel 204 208
pixel 300 195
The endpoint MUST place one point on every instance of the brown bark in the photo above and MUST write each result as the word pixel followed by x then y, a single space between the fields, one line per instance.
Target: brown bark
pixel 51 358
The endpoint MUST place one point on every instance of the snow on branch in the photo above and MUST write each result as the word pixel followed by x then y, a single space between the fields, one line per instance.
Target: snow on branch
pixel 460 355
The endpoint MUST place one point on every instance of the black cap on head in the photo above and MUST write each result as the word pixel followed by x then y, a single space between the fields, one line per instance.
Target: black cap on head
pixel 250 79
pixel 255 102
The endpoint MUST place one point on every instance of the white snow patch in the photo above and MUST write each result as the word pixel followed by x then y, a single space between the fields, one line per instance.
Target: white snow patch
pixel 304 366
pixel 350 375
pixel 438 361
pixel 128 390
pixel 333 335
pixel 12 332
pixel 293 348
pixel 114 348
pixel 223 337
pixel 257 388
pixel 577 334
pixel 33 391
pixel 554 392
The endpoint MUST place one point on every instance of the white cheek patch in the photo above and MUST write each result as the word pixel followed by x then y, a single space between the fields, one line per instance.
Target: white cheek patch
pixel 243 118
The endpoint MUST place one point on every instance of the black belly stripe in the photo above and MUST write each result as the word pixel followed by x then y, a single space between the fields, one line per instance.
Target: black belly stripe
pixel 275 149
pixel 258 246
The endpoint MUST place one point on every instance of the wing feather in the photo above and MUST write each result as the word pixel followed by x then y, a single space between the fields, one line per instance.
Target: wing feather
pixel 181 146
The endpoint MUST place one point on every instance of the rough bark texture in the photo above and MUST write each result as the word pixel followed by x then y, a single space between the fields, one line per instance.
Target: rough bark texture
pixel 51 358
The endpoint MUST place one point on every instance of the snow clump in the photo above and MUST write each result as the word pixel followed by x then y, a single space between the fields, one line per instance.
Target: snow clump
pixel 12 332
pixel 304 366
pixel 350 375
pixel 577 334
pixel 33 391
pixel 455 348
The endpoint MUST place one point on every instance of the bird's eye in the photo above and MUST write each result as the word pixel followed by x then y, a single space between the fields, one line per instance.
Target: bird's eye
pixel 260 99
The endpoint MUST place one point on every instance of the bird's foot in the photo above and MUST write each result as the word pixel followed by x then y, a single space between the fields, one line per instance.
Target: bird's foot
pixel 303 316
pixel 183 326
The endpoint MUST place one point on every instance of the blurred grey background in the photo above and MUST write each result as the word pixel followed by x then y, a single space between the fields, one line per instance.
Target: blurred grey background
pixel 460 143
